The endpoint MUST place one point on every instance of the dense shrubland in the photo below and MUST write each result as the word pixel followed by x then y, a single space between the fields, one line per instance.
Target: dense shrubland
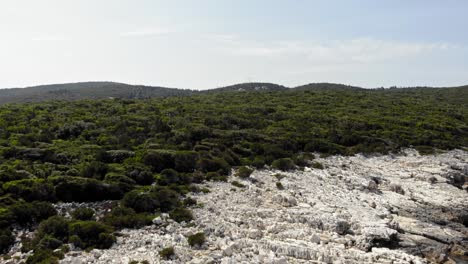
pixel 147 153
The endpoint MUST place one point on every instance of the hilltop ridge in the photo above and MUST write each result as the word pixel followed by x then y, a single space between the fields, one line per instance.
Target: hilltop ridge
pixel 104 90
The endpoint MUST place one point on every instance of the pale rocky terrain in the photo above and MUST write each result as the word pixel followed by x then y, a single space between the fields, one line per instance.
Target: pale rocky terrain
pixel 378 209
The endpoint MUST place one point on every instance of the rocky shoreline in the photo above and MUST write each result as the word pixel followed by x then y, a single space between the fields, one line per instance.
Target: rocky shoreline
pixel 381 209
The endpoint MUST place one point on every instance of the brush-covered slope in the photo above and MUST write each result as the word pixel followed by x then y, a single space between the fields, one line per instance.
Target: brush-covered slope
pixel 85 90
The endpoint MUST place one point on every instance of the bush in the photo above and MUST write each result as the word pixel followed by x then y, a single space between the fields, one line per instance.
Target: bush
pixel 167 198
pixel 433 180
pixel 122 217
pixel 317 165
pixel 141 201
pixel 31 213
pixel 214 176
pixel 6 240
pixel 185 161
pixel 342 227
pixel 244 172
pixel 49 242
pixel 301 160
pixel 197 239
pixel 397 188
pixel 214 165
pixel 95 170
pixel 189 201
pixel 168 176
pixel 279 176
pixel 159 160
pixel 6 217
pixel 181 215
pixel 111 177
pixel 167 253
pixel 92 234
pixel 284 164
pixel 279 185
pixel 77 189
pixel 55 226
pixel 141 177
pixel 258 162
pixel 238 184
pixel 43 256
pixel 83 214
pixel 162 199
pixel 31 189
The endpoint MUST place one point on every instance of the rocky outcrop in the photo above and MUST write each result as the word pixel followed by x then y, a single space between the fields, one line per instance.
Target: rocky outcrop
pixel 348 212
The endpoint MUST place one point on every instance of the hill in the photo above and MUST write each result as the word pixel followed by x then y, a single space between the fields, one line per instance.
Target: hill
pixel 86 90
pixel 250 87
pixel 327 86
pixel 105 90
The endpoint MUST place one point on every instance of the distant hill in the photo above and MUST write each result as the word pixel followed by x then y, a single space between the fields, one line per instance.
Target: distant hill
pixel 327 86
pixel 250 87
pixel 86 90
pixel 103 90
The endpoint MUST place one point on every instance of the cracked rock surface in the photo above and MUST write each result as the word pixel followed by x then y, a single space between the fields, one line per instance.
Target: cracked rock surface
pixel 379 209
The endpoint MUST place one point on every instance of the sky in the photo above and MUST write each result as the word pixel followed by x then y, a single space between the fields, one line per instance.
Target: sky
pixel 201 44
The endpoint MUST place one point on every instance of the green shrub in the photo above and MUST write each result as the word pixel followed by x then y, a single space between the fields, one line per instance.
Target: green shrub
pixel 301 160
pixel 181 215
pixel 189 201
pixel 317 165
pixel 8 174
pixel 284 164
pixel 167 198
pixel 6 240
pixel 279 176
pixel 95 170
pixel 159 160
pixel 49 242
pixel 6 217
pixel 159 198
pixel 244 172
pixel 83 214
pixel 167 253
pixel 141 177
pixel 168 176
pixel 238 184
pixel 122 217
pixel 214 165
pixel 214 176
pixel 197 239
pixel 324 146
pixel 141 201
pixel 258 162
pixel 31 189
pixel 111 177
pixel 55 226
pixel 31 213
pixel 92 234
pixel 43 256
pixel 77 189
pixel 185 161
pixel 279 185
pixel 76 241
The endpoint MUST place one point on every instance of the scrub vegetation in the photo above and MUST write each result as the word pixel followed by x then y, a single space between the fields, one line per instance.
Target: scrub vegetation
pixel 147 153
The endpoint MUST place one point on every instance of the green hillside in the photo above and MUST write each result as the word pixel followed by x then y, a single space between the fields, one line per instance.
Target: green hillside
pixel 146 153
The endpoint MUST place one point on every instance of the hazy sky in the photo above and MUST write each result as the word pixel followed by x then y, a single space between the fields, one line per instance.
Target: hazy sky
pixel 210 43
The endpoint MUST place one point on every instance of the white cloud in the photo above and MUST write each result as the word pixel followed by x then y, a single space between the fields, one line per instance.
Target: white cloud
pixel 148 32
pixel 48 38
pixel 362 50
